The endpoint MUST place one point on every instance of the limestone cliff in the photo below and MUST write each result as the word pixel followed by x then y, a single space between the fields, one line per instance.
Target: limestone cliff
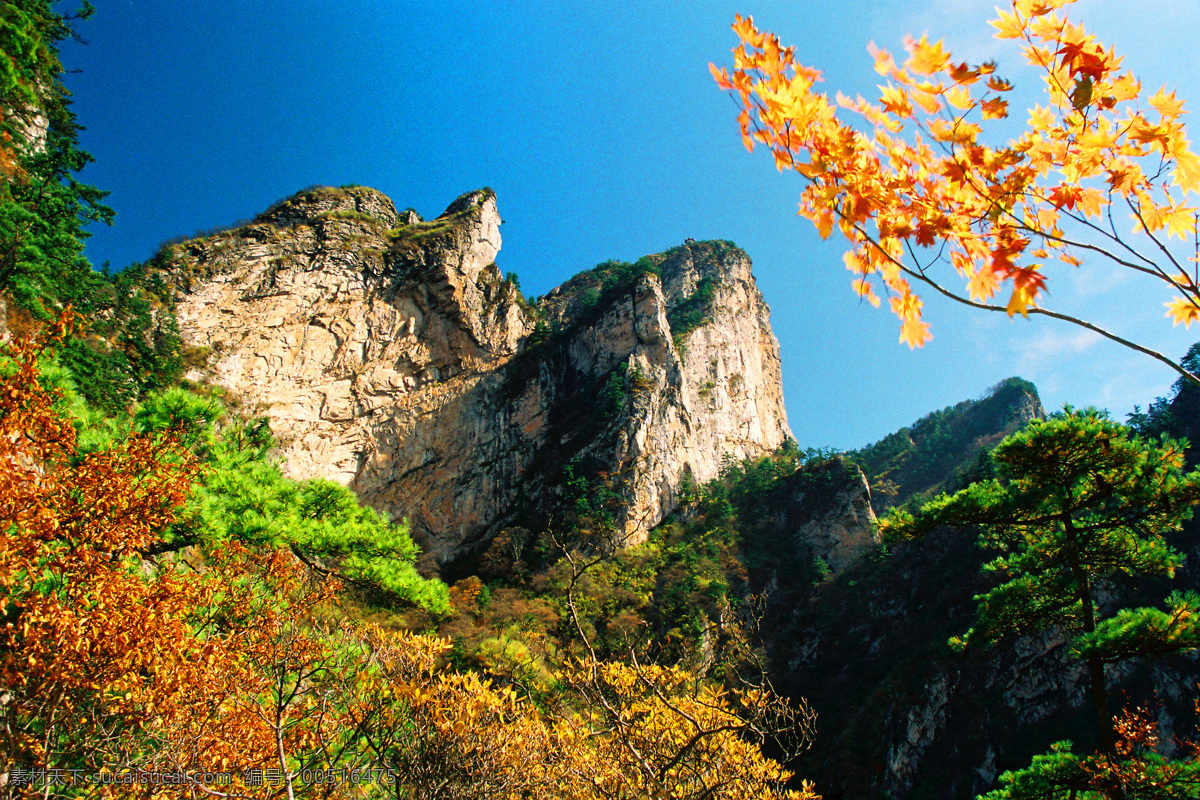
pixel 391 355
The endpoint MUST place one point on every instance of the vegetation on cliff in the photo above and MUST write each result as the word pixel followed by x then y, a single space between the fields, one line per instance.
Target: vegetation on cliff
pixel 1078 507
pixel 172 604
pixel 149 633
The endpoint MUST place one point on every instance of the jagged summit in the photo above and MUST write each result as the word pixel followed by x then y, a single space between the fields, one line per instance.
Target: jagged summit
pixel 392 356
pixel 317 201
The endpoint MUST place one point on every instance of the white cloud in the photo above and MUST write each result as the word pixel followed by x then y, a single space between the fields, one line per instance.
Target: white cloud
pixel 1051 346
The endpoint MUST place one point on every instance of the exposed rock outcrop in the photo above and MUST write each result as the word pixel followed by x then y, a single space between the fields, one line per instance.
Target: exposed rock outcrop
pixel 828 506
pixel 391 355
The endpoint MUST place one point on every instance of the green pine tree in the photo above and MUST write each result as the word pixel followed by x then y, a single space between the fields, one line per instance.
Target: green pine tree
pixel 43 208
pixel 1079 506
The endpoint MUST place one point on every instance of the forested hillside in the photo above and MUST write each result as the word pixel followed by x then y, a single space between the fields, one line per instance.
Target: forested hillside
pixel 181 618
pixel 622 578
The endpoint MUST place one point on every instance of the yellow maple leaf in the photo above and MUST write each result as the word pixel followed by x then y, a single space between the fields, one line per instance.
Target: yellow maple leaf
pixel 1021 300
pixel 1166 104
pixel 1180 221
pixel 915 333
pixel 1047 219
pixel 927 101
pixel 884 63
pixel 1126 87
pixel 926 58
pixel 720 76
pixel 1091 201
pixel 959 97
pixel 1041 118
pixel 1008 26
pixel 1181 310
pixel 1187 169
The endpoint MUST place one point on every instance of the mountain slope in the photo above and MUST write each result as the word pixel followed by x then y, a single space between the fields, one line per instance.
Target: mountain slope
pixel 390 355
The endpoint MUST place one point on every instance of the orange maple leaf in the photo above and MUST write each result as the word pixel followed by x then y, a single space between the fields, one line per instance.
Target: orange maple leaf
pixel 995 108
pixel 895 101
pixel 963 75
pixel 1181 310
pixel 720 76
pixel 983 283
pixel 746 31
pixel 999 84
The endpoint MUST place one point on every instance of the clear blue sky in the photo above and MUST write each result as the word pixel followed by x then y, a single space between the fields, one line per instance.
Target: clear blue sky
pixel 604 136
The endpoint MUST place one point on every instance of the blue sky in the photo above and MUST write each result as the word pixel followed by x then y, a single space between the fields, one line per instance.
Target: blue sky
pixel 604 136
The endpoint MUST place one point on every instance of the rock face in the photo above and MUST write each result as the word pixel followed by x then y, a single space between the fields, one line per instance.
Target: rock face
pixel 902 714
pixel 828 506
pixel 391 355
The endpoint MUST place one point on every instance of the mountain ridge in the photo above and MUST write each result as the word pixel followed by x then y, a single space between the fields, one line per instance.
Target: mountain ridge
pixel 391 355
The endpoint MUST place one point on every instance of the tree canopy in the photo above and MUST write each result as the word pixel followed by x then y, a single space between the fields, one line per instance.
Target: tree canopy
pixel 924 199
pixel 43 207
pixel 1079 507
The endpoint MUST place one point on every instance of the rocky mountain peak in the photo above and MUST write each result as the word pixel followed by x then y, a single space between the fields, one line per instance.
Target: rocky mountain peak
pixel 391 355
pixel 320 201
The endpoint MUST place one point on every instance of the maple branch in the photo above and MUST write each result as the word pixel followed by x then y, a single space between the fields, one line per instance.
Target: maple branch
pixel 1137 210
pixel 1056 315
pixel 1154 270
pixel 921 276
pixel 1116 237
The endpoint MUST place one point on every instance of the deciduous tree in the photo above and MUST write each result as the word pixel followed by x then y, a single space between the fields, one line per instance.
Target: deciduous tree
pixel 87 639
pixel 921 194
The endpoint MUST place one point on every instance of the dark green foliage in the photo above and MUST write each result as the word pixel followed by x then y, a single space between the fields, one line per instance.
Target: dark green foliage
pixel 587 503
pixel 732 540
pixel 130 344
pixel 104 376
pixel 665 596
pixel 698 572
pixel 43 208
pixel 1063 775
pixel 542 332
pixel 1177 414
pixel 588 300
pixel 930 456
pixel 612 397
pixel 620 274
pixel 600 286
pixel 1078 507
pixel 694 311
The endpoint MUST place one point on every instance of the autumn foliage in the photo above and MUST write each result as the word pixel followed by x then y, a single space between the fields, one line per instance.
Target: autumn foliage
pixel 81 626
pixel 918 191
pixel 125 655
